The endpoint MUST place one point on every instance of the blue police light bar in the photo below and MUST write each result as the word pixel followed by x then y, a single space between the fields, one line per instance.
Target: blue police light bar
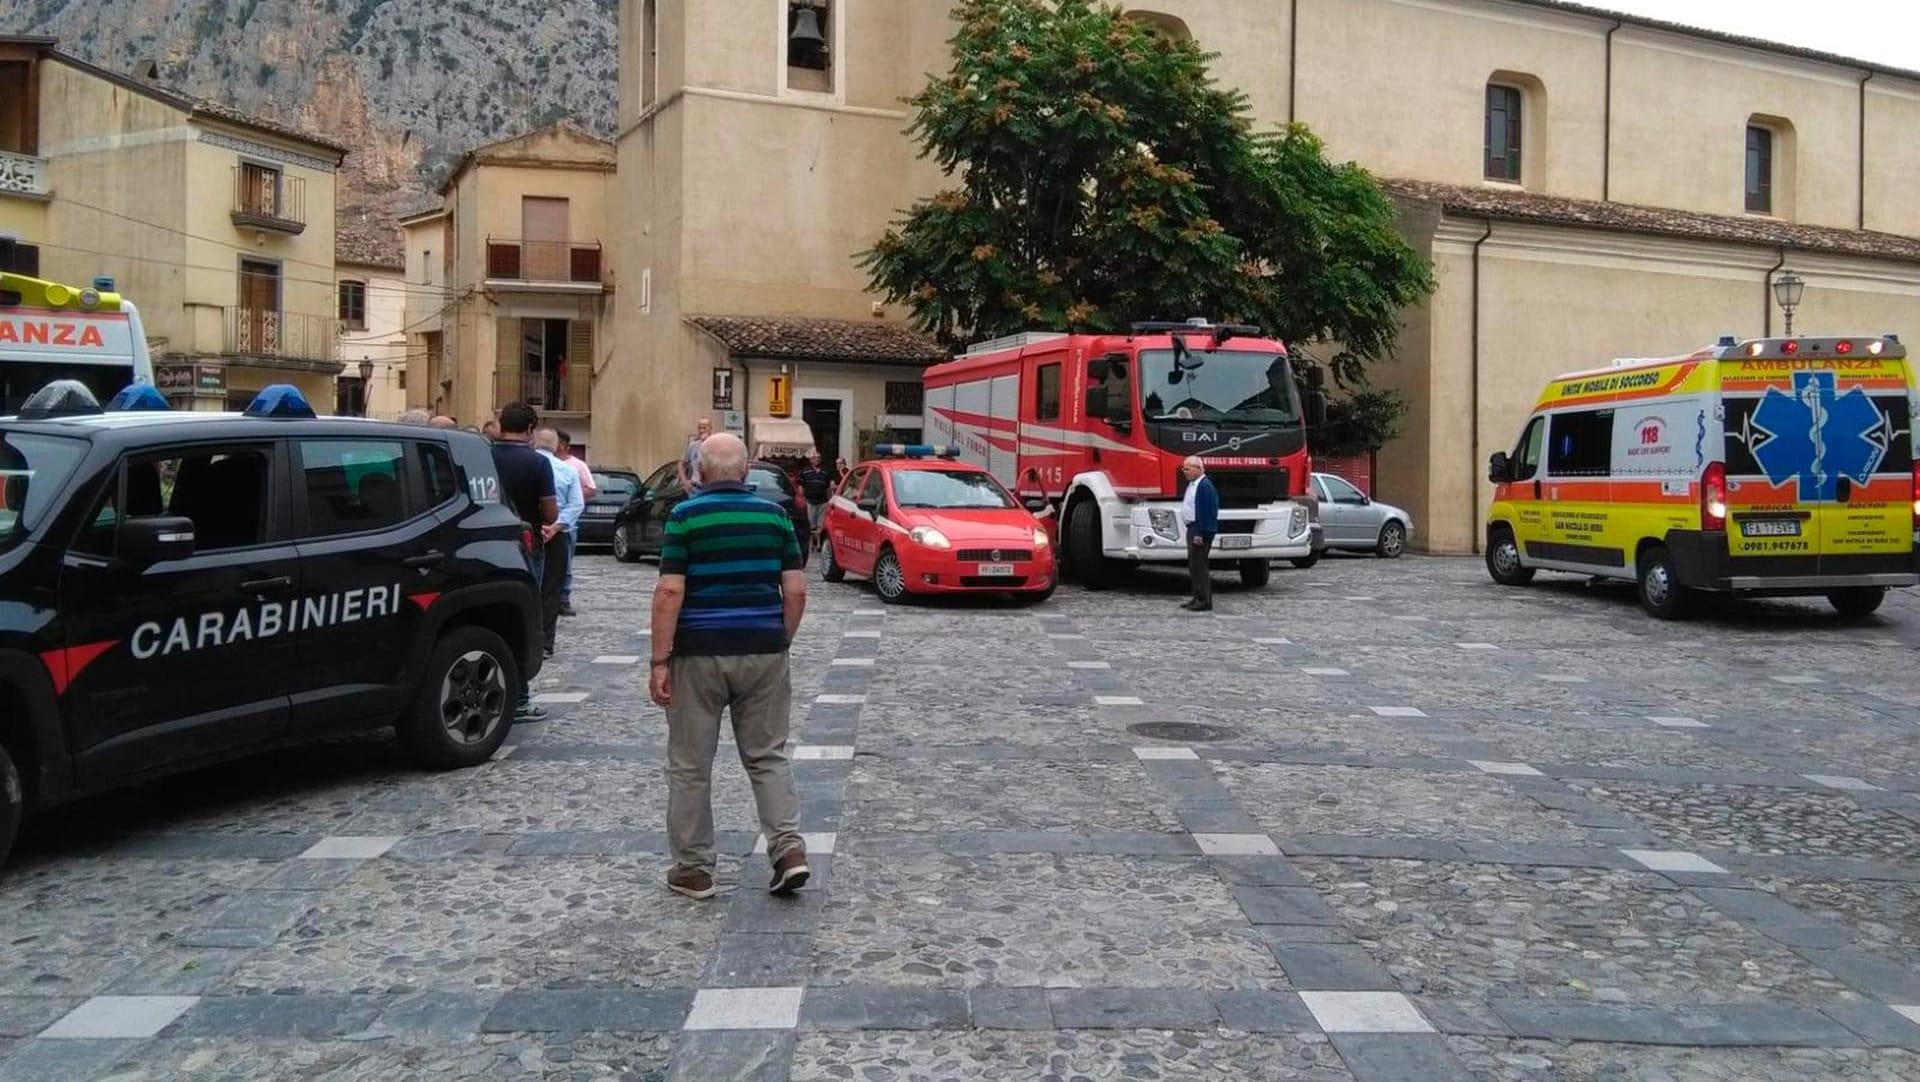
pixel 279 400
pixel 135 397
pixel 916 450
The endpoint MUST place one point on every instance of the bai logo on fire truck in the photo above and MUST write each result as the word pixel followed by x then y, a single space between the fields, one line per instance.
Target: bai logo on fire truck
pixel 210 630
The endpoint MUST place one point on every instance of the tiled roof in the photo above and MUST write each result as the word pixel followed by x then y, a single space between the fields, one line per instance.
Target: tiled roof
pixel 1499 204
pixel 795 338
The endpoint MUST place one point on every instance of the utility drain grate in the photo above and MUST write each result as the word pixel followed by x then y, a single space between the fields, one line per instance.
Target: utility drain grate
pixel 1185 732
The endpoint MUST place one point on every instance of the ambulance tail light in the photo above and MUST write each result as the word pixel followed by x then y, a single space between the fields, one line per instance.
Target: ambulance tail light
pixel 1713 497
pixel 1916 496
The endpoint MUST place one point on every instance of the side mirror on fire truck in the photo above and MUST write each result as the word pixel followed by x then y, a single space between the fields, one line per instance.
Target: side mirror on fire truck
pixel 1097 403
pixel 1316 408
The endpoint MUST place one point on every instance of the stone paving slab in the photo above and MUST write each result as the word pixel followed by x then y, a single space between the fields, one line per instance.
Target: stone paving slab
pixel 1545 1061
pixel 1753 820
pixel 1293 800
pixel 1019 1057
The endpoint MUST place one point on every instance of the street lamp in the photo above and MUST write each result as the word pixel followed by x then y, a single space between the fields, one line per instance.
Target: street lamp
pixel 1786 291
pixel 366 385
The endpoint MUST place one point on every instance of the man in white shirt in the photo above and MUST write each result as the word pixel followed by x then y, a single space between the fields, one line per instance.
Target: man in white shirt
pixel 588 490
pixel 557 534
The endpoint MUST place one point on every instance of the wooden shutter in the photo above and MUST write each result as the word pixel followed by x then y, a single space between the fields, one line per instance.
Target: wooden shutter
pixel 506 362
pixel 580 365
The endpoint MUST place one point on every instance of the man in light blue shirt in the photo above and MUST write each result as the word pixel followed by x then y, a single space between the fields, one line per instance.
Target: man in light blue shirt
pixel 557 535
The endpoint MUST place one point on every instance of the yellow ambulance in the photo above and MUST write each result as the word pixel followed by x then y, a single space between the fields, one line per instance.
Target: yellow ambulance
pixel 1773 467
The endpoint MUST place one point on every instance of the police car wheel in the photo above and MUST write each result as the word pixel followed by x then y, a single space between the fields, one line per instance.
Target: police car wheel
pixel 1255 573
pixel 1857 601
pixel 623 546
pixel 1503 560
pixel 830 568
pixel 889 578
pixel 1660 591
pixel 12 803
pixel 465 705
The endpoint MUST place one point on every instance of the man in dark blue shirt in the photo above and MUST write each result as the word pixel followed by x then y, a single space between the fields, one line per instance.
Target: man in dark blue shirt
pixel 816 486
pixel 526 485
pixel 1200 511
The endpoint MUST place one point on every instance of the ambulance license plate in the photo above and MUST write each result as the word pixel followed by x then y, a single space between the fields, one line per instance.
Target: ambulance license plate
pixel 995 571
pixel 1236 541
pixel 1776 527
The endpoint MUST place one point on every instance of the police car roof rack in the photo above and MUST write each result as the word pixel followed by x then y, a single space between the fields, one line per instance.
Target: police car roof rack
pixel 280 400
pixel 915 450
pixel 61 398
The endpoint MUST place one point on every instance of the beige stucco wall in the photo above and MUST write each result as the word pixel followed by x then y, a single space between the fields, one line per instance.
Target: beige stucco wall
pixel 1893 157
pixel 23 218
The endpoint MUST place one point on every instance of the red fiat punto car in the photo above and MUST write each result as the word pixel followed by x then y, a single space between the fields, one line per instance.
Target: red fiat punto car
pixel 920 523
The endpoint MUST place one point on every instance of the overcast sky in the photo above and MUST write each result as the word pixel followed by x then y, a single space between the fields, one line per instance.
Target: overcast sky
pixel 1885 31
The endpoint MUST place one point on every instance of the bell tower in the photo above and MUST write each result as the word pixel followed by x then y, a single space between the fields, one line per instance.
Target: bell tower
pixel 639 51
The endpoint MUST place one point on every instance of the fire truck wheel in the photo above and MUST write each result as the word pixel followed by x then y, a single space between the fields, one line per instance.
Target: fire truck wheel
pixel 12 803
pixel 1090 567
pixel 889 578
pixel 1304 562
pixel 1255 573
pixel 830 568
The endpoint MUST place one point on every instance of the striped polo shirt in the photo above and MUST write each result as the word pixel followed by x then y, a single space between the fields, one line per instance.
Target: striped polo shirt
pixel 732 547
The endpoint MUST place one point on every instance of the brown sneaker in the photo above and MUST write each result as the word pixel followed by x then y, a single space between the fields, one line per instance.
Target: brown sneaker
pixel 691 882
pixel 789 872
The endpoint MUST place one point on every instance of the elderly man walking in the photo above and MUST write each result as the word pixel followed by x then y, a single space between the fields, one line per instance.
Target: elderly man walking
pixel 1200 511
pixel 728 604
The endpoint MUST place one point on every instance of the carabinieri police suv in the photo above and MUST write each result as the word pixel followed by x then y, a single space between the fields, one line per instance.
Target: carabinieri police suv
pixel 180 588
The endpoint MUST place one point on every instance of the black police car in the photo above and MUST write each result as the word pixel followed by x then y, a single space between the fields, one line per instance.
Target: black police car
pixel 180 588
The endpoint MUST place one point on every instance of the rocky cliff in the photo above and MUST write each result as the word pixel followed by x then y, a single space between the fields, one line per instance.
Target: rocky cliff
pixel 410 86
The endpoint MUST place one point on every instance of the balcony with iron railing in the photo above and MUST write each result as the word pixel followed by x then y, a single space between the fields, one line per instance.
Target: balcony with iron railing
pixel 23 174
pixel 571 266
pixel 283 339
pixel 269 201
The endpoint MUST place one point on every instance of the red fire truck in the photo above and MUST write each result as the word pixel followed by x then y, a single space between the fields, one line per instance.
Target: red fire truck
pixel 1090 431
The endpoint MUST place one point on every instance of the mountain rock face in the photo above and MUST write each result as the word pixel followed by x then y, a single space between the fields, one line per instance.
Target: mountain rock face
pixel 410 86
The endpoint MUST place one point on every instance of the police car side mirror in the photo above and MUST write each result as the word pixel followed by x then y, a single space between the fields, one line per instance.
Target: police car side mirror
pixel 1498 471
pixel 143 542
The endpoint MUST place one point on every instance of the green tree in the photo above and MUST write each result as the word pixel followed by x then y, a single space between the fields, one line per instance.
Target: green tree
pixel 1103 177
pixel 1359 423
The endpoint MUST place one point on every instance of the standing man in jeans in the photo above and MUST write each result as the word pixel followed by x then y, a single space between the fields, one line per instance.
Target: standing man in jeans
pixel 816 486
pixel 558 537
pixel 1200 511
pixel 689 465
pixel 526 482
pixel 728 603
pixel 588 490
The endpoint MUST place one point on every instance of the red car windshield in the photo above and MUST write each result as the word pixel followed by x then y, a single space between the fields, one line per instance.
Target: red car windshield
pixel 946 489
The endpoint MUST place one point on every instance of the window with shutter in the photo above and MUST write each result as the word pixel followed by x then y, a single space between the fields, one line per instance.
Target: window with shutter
pixel 506 362
pixel 1503 133
pixel 580 366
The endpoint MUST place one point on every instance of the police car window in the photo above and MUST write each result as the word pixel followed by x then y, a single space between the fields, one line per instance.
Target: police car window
pixel 353 485
pixel 33 469
pixel 1526 460
pixel 948 489
pixel 436 468
pixel 870 492
pixel 1580 444
pixel 224 492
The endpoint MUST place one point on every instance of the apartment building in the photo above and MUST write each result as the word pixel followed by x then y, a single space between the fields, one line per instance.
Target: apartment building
pixel 510 281
pixel 370 281
pixel 1588 185
pixel 220 226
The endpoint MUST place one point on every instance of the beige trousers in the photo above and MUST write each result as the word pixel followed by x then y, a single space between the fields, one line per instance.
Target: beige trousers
pixel 757 691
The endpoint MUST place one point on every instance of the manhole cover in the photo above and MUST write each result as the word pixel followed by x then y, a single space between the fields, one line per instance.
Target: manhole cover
pixel 1183 731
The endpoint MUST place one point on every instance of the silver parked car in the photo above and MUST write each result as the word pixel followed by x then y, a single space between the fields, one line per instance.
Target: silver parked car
pixel 1354 522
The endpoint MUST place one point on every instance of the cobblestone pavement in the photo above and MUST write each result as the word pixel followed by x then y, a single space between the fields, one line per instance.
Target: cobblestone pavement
pixel 1381 821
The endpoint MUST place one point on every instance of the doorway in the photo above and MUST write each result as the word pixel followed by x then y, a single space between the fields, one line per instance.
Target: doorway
pixel 257 319
pixel 543 363
pixel 823 415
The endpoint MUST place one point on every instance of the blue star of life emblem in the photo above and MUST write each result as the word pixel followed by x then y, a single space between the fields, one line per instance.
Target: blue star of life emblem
pixel 1816 436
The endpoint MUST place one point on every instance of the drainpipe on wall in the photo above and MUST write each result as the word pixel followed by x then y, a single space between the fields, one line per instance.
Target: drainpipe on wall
pixel 1293 58
pixel 1473 409
pixel 1860 187
pixel 1766 296
pixel 1606 120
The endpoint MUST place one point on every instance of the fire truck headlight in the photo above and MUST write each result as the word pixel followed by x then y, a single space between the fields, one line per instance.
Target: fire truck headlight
pixel 1040 539
pixel 1299 521
pixel 930 537
pixel 1161 520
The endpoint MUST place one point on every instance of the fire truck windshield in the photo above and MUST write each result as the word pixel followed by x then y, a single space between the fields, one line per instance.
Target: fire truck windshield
pixel 1224 385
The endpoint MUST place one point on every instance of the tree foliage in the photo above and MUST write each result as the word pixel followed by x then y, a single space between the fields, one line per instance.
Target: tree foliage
pixel 1359 423
pixel 1103 177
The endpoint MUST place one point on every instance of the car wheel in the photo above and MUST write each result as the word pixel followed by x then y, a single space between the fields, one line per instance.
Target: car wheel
pixel 1503 560
pixel 889 578
pixel 830 568
pixel 13 803
pixel 1090 566
pixel 1393 541
pixel 1304 562
pixel 1255 573
pixel 623 546
pixel 1660 591
pixel 465 704
pixel 1857 601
